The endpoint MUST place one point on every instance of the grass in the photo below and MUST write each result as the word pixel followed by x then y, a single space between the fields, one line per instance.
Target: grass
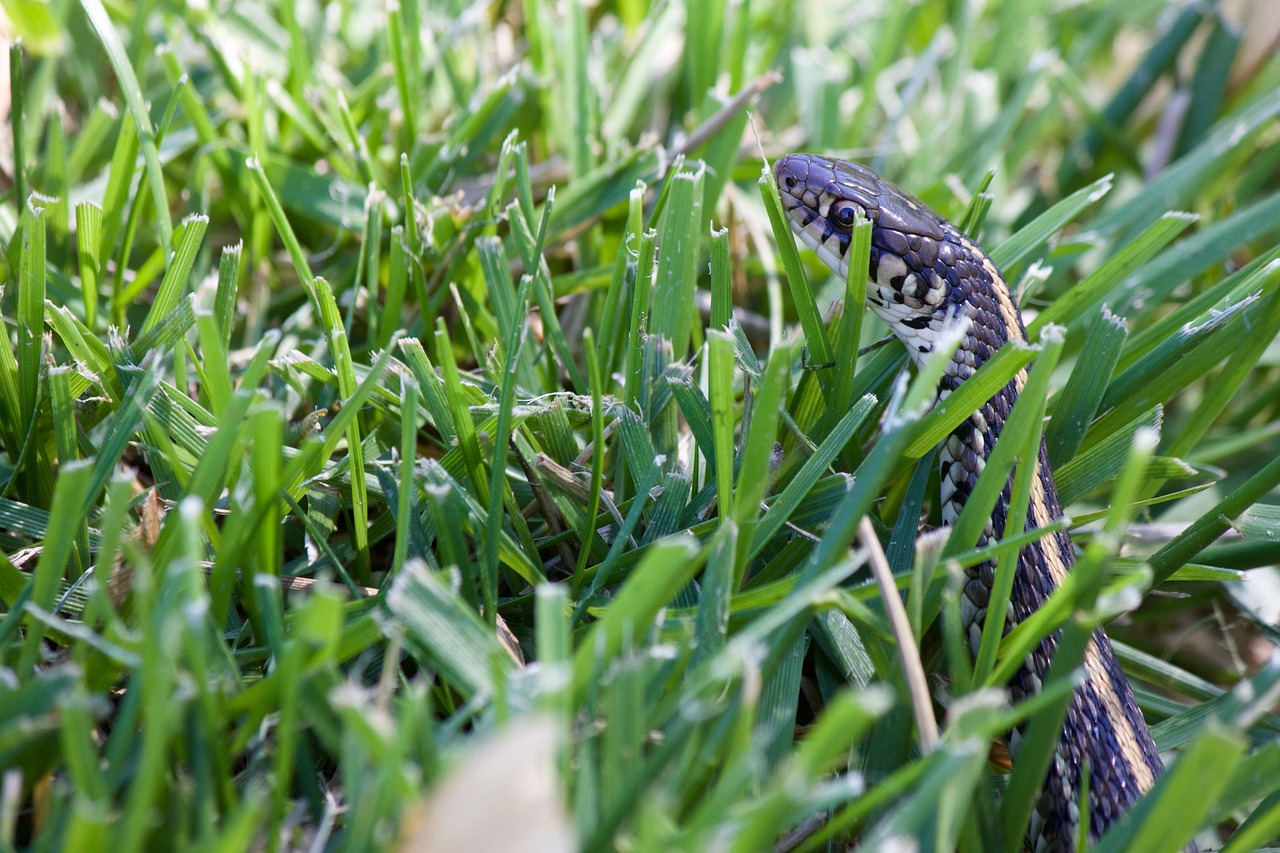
pixel 417 429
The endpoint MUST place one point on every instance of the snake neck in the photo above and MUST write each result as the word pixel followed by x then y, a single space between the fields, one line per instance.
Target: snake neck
pixel 917 301
pixel 919 286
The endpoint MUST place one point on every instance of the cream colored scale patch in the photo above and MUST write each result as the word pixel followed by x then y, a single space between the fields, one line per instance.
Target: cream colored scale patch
pixel 1109 697
pixel 921 301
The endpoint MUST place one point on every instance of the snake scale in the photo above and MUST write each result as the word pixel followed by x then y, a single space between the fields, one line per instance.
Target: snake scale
pixel 924 276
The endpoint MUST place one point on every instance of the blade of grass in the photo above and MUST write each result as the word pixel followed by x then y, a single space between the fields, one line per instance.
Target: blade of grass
pixel 132 92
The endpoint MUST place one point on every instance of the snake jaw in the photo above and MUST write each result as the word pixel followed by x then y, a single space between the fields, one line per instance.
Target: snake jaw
pixel 809 188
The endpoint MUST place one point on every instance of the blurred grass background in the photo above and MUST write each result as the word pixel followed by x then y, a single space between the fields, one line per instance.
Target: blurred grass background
pixel 417 433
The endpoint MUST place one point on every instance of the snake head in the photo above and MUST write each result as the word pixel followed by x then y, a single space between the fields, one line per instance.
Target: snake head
pixel 921 270
pixel 821 206
pixel 823 197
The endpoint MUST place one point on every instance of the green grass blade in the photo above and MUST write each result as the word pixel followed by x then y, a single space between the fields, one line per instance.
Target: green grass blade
pixel 444 632
pixel 1079 401
pixel 1096 286
pixel 678 251
pixel 138 110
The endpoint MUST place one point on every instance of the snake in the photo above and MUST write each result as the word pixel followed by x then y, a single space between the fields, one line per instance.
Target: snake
pixel 925 277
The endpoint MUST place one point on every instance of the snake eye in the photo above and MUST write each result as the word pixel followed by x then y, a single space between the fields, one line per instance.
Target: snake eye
pixel 842 215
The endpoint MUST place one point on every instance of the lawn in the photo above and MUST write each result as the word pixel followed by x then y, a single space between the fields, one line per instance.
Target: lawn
pixel 418 430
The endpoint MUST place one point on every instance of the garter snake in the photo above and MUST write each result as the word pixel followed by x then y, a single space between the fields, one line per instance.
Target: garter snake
pixel 924 276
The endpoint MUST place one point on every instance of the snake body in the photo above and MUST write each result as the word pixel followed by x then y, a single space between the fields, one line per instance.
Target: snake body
pixel 924 276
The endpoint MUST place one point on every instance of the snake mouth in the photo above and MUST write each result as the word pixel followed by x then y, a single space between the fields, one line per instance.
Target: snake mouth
pixel 804 180
pixel 831 246
pixel 805 184
pixel 791 173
